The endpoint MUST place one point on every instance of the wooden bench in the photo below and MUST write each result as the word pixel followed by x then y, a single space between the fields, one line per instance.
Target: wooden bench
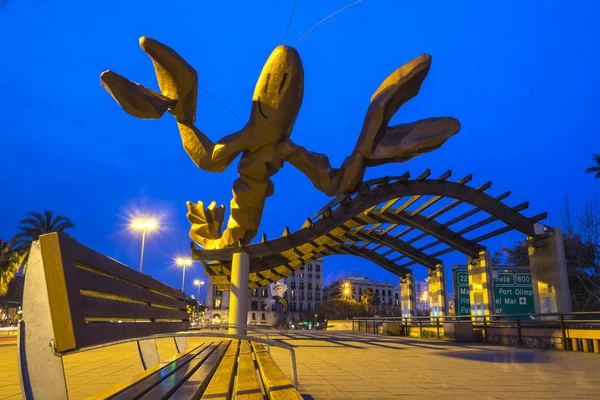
pixel 76 299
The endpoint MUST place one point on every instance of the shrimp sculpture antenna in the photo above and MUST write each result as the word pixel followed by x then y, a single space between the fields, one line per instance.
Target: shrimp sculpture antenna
pixel 264 141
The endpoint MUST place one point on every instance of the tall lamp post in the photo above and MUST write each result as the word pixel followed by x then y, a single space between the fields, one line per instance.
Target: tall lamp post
pixel 183 262
pixel 198 283
pixel 144 225
pixel 346 293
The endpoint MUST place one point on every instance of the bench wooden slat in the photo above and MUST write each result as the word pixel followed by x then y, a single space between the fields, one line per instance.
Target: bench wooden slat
pixel 106 332
pixel 100 308
pixel 165 371
pixel 196 384
pixel 247 384
pixel 74 253
pixel 89 280
pixel 168 386
pixel 221 384
pixel 121 386
pixel 278 386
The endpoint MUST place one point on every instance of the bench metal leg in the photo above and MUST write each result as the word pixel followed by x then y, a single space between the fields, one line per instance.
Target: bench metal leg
pixel 180 343
pixel 148 353
pixel 41 372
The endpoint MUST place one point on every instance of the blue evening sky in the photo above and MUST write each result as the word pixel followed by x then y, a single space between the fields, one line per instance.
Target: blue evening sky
pixel 521 76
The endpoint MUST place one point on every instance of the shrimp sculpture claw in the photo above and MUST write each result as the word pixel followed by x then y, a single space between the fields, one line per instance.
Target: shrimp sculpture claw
pixel 264 142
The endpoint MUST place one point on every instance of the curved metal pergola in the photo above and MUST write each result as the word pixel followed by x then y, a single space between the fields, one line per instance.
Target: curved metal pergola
pixel 374 223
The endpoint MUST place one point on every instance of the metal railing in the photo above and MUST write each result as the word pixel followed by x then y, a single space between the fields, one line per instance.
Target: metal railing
pixel 199 333
pixel 565 323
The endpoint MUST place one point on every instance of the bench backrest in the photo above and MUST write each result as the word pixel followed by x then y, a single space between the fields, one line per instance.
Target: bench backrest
pixel 94 299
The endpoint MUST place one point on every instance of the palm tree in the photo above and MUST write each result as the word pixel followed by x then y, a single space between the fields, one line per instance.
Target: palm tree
pixel 10 261
pixel 36 224
pixel 596 168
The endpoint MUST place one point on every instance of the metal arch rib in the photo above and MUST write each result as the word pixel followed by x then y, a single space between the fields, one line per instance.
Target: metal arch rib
pixel 369 255
pixel 430 227
pixel 377 195
pixel 395 244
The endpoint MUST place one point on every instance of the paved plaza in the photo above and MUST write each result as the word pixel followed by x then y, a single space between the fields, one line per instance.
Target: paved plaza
pixel 335 365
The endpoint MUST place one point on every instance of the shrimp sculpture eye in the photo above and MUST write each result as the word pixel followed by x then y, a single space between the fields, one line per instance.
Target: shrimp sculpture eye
pixel 264 141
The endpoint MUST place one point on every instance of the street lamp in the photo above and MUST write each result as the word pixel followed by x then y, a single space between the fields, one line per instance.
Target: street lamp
pixel 198 283
pixel 183 262
pixel 346 292
pixel 144 225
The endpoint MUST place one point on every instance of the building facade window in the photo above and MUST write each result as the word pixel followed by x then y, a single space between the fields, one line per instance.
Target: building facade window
pixel 264 293
pixel 217 303
pixel 318 276
pixel 301 307
pixel 309 295
pixel 316 286
pixel 318 296
pixel 293 285
pixel 317 268
pixel 254 305
pixel 263 317
pixel 308 307
pixel 389 292
pixel 254 292
pixel 301 285
pixel 293 294
pixel 253 316
pixel 301 296
pixel 217 291
pixel 293 306
pixel 309 276
pixel 301 275
pixel 310 286
pixel 310 267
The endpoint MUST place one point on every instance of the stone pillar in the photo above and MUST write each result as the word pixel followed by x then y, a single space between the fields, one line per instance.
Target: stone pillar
pixel 480 284
pixel 437 292
pixel 238 301
pixel 407 296
pixel 549 272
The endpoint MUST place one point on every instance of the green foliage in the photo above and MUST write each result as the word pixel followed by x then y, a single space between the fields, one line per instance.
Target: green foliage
pixel 337 308
pixel 596 168
pixel 429 334
pixel 35 224
pixel 10 261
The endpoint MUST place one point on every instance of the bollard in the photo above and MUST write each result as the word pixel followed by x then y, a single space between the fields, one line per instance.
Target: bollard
pixel 585 345
pixel 575 344
pixel 596 345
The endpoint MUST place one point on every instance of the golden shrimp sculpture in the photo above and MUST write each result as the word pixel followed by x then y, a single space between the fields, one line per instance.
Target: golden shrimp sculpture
pixel 264 141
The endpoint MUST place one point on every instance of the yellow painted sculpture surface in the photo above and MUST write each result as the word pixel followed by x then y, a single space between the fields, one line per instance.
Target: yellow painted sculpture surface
pixel 264 141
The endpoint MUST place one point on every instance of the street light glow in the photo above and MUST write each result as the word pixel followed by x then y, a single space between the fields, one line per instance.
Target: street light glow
pixel 198 282
pixel 144 224
pixel 183 262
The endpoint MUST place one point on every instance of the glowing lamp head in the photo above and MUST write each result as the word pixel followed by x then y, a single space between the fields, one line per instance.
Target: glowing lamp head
pixel 198 282
pixel 144 224
pixel 183 262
